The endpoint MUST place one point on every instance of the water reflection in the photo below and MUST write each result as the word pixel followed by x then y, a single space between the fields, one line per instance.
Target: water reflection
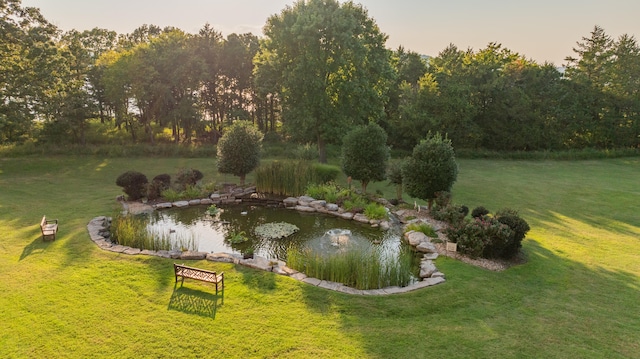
pixel 324 233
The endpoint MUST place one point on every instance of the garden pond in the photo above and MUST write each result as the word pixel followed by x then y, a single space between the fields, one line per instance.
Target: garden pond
pixel 195 228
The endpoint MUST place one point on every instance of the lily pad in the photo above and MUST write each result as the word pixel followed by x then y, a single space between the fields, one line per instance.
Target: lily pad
pixel 275 230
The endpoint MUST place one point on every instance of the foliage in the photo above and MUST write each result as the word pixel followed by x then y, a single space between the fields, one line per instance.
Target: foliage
pixel 187 177
pixel 451 213
pixel 285 178
pixel 479 211
pixel 239 150
pixel 291 178
pixel 171 195
pixel 131 231
pixel 480 237
pixel 421 227
pixel 518 226
pixel 275 230
pixel 212 210
pixel 306 152
pixel 354 203
pixel 363 269
pixel 490 237
pixel 134 184
pixel 158 184
pixel 365 154
pixel 563 205
pixel 431 168
pixel 394 176
pixel 237 237
pixel 323 173
pixel 312 65
pixel 375 211
pixel 193 192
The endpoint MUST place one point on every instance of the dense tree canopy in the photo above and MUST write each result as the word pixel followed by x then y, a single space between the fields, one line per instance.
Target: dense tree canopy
pixel 330 68
pixel 320 70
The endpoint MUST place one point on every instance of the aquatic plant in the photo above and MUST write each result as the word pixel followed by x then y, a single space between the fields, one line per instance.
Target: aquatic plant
pixel 275 230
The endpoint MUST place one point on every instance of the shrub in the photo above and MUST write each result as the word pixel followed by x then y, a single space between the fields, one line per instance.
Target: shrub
pixel 518 226
pixel 355 204
pixel 306 152
pixel 192 192
pixel 326 191
pixel 134 184
pixel 480 237
pixel 188 177
pixel 451 214
pixel 464 210
pixel 272 137
pixel 158 184
pixel 442 199
pixel 479 212
pixel 171 195
pixel 323 173
pixel 375 211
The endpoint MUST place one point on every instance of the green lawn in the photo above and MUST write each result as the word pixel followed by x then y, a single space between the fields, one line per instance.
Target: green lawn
pixel 577 296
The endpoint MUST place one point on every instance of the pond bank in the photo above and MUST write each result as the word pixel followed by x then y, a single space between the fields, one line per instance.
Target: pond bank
pixel 429 275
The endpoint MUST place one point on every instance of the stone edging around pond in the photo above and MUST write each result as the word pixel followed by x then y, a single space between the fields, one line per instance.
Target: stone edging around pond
pixel 99 232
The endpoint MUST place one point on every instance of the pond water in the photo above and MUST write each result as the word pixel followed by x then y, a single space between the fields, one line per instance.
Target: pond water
pixel 321 233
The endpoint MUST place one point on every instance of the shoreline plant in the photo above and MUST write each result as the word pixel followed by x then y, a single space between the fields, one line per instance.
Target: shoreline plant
pixel 366 269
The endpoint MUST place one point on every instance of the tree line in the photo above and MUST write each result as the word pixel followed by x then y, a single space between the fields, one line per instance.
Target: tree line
pixel 320 69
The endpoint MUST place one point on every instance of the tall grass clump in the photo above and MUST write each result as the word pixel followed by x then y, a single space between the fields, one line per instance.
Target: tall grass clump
pixel 287 178
pixel 291 178
pixel 131 231
pixel 360 269
pixel 421 227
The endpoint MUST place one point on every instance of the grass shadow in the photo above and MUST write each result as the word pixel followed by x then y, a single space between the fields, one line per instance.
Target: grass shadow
pixel 37 246
pixel 257 279
pixel 550 298
pixel 192 301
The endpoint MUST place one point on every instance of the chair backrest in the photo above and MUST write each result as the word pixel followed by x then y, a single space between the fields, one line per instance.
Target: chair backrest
pixel 44 221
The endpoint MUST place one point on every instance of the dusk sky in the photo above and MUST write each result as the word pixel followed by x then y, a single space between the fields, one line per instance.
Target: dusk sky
pixel 542 30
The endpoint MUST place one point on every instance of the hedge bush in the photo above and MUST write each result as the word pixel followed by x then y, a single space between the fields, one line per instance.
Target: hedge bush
pixel 134 184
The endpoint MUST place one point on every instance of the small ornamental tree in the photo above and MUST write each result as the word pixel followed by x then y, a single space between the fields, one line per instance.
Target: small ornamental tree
pixel 394 176
pixel 365 154
pixel 432 168
pixel 239 149
pixel 134 184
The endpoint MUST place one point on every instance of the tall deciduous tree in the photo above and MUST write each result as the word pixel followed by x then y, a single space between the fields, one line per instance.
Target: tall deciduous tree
pixel 29 64
pixel 365 154
pixel 331 67
pixel 239 149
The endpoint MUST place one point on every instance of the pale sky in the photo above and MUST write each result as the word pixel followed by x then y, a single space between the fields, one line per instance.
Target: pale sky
pixel 543 30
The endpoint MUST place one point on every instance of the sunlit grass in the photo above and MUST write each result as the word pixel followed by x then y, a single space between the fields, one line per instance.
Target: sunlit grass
pixel 576 296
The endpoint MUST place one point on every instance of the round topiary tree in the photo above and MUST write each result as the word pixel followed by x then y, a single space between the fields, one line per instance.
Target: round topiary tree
pixel 239 149
pixel 394 176
pixel 432 168
pixel 365 154
pixel 134 184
